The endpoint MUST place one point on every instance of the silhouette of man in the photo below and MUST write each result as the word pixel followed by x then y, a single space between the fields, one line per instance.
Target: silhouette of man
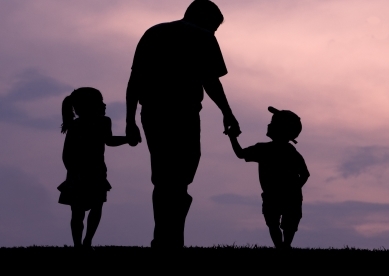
pixel 173 62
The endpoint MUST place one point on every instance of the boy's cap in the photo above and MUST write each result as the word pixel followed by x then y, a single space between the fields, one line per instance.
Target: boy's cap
pixel 292 122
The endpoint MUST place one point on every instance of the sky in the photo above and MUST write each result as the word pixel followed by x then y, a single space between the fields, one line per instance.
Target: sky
pixel 327 61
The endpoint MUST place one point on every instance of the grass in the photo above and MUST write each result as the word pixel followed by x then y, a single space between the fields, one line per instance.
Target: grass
pixel 218 260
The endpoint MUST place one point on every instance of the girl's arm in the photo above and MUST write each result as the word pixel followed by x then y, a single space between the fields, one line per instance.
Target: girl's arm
pixel 236 147
pixel 115 141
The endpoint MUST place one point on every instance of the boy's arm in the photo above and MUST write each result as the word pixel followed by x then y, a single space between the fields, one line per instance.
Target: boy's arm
pixel 236 147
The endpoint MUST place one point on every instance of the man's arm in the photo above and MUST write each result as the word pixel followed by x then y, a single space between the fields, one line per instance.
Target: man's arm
pixel 215 91
pixel 132 98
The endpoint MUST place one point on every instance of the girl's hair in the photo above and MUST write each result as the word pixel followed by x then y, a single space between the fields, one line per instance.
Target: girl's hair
pixel 76 103
pixel 204 11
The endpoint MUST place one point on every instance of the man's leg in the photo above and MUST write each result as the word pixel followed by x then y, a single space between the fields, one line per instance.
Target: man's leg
pixel 171 206
pixel 173 140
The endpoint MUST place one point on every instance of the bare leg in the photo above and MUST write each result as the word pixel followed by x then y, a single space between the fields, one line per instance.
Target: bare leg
pixel 92 224
pixel 276 236
pixel 77 225
pixel 288 238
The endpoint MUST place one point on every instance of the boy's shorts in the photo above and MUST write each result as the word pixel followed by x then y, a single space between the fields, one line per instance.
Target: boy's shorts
pixel 283 213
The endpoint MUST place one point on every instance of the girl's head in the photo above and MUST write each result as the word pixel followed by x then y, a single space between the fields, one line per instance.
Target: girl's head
pixel 83 102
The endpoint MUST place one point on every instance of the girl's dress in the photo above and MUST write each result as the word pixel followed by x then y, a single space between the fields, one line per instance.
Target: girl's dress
pixel 86 182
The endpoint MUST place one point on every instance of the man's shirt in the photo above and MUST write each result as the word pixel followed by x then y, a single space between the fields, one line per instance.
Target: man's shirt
pixel 172 60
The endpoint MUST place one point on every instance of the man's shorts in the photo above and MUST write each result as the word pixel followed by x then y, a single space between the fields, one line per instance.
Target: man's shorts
pixel 282 212
pixel 173 138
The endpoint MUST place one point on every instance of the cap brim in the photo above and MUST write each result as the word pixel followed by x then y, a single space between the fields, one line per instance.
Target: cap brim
pixel 272 109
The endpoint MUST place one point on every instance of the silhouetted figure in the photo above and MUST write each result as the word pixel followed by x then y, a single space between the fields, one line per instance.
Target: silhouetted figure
pixel 86 184
pixel 282 174
pixel 173 62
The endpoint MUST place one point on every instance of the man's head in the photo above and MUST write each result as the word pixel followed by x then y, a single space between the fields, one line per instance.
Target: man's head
pixel 205 14
pixel 285 125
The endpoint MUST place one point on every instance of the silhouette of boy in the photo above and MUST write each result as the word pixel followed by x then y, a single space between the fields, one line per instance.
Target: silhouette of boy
pixel 282 174
pixel 173 64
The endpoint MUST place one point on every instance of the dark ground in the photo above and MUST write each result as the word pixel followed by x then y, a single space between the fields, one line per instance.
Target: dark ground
pixel 199 260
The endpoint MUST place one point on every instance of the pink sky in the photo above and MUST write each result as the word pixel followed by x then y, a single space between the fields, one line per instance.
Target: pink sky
pixel 325 60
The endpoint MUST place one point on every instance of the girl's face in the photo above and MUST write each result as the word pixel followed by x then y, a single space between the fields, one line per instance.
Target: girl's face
pixel 95 106
pixel 99 106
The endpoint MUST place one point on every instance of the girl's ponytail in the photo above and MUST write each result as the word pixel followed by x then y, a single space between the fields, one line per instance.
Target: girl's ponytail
pixel 67 114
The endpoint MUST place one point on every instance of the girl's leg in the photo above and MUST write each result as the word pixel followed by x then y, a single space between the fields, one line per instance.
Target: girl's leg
pixel 77 225
pixel 93 222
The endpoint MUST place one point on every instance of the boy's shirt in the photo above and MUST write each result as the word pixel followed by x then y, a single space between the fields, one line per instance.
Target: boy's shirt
pixel 280 167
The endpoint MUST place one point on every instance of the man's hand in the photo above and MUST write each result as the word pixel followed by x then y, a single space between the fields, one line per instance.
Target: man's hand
pixel 231 126
pixel 133 135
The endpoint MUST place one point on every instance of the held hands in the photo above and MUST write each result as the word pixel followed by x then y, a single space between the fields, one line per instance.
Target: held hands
pixel 231 126
pixel 133 135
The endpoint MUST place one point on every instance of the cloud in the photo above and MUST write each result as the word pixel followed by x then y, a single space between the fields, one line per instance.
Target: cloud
pixel 116 110
pixel 28 86
pixel 354 223
pixel 25 210
pixel 361 159
pixel 236 199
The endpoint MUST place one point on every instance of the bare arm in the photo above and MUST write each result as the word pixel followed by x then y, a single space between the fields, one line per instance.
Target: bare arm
pixel 236 147
pixel 215 91
pixel 115 141
pixel 132 99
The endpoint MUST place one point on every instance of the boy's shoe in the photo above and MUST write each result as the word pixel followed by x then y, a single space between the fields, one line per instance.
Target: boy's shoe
pixel 87 248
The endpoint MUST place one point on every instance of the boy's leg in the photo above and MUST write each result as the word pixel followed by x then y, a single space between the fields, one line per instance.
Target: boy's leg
pixel 273 222
pixel 92 224
pixel 290 221
pixel 77 224
pixel 288 238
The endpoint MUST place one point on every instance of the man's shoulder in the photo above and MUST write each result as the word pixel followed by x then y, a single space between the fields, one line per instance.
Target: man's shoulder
pixel 177 27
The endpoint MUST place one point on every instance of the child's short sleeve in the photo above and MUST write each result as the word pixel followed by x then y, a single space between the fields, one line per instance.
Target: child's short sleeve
pixel 252 153
pixel 302 166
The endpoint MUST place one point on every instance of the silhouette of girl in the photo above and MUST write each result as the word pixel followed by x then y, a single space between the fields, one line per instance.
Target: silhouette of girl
pixel 86 185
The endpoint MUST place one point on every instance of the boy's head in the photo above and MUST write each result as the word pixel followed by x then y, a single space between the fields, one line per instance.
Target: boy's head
pixel 284 126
